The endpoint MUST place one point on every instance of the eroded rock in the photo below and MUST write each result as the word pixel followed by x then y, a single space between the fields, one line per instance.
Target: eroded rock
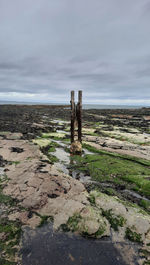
pixel 135 222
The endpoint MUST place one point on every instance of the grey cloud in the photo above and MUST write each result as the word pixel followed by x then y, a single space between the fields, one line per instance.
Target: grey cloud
pixel 99 77
pixel 8 66
pixel 50 47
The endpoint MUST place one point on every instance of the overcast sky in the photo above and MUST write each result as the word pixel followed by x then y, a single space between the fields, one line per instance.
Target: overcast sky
pixel 49 47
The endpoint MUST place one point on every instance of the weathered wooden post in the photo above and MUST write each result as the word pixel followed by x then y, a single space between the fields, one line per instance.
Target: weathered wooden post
pixel 79 116
pixel 76 116
pixel 72 116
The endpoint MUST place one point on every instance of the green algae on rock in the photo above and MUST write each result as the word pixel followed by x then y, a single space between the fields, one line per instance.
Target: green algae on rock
pixel 105 166
pixel 42 142
pixel 54 135
pixel 135 221
pixel 133 236
pixel 89 222
pixel 10 231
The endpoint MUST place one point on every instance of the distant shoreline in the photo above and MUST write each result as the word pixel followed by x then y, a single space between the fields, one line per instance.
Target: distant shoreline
pixel 85 106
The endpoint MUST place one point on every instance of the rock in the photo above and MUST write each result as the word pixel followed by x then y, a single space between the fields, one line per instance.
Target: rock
pixel 34 221
pixel 3 236
pixel 93 223
pixel 76 148
pixel 35 200
pixel 23 217
pixel 91 227
pixel 117 146
pixel 42 142
pixel 130 220
pixel 61 209
pixel 147 237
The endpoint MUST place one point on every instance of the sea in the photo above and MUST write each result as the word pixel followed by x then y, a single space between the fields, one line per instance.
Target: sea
pixel 85 106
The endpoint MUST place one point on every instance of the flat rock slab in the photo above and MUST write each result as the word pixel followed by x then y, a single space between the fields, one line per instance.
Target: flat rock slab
pixel 117 146
pixel 38 185
pixel 29 150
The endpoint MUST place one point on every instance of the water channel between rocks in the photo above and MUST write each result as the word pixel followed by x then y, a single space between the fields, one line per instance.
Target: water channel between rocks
pixel 66 160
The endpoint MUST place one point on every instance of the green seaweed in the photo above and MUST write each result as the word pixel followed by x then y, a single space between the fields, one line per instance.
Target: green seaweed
pixel 145 204
pixel 100 232
pixel 7 262
pixel 53 159
pixel 72 223
pixel 133 236
pixel 126 157
pixel 116 221
pixel 105 166
pixel 12 231
pixel 91 198
pixel 45 219
pixel 144 252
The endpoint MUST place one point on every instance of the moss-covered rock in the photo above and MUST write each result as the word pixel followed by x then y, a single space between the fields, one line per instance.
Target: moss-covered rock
pixel 93 223
pixel 53 135
pixel 132 235
pixel 42 142
pixel 120 214
pixel 115 168
pixel 89 222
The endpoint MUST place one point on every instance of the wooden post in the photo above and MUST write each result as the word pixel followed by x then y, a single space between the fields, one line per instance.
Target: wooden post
pixel 79 116
pixel 72 116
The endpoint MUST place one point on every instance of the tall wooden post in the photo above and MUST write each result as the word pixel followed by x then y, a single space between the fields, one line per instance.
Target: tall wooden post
pixel 76 115
pixel 72 116
pixel 80 116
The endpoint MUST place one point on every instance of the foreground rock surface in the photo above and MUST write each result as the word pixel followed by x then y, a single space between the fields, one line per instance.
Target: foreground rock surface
pixel 43 191
pixel 38 185
pixel 41 188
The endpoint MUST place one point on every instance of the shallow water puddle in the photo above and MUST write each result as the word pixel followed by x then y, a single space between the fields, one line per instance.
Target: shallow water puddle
pixel 65 160
pixel 62 155
pixel 1 171
pixel 45 247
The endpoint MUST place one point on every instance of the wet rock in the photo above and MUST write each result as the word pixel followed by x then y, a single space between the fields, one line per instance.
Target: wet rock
pixel 135 222
pixel 90 227
pixel 93 223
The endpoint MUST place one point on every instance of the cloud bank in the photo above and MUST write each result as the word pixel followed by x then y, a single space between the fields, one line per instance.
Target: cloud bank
pixel 102 47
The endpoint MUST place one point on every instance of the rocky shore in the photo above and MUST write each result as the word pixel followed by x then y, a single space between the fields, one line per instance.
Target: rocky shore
pixel 105 193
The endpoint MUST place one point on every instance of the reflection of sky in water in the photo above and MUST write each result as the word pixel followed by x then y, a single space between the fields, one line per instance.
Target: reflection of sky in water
pixel 65 161
pixel 62 155
pixel 1 171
